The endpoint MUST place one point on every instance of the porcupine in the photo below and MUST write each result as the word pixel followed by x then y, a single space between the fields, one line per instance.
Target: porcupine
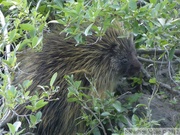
pixel 105 60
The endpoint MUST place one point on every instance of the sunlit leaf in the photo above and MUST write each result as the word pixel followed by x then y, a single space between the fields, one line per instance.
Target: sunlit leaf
pixel 152 80
pixel 53 79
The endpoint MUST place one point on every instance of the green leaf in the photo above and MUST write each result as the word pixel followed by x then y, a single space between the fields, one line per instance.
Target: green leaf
pixel 152 80
pixel 12 128
pixel 29 107
pixel 36 41
pixel 34 98
pixel 117 106
pixel 33 119
pixel 86 32
pixel 38 116
pixel 162 21
pixel 11 61
pixel 27 27
pixel 153 1
pixel 123 119
pixel 105 114
pixel 96 131
pixel 157 8
pixel 135 119
pixel 40 104
pixel 6 3
pixel 77 84
pixel 17 125
pixel 53 79
pixel 72 99
pixel 132 4
pixel 11 93
pixel 12 34
pixel 26 95
pixel 16 22
pixel 23 44
pixel 78 38
pixel 59 3
pixel 30 28
pixel 27 83
pixel 72 90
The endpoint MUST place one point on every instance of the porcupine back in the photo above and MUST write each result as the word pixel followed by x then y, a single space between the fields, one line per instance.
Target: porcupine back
pixel 105 60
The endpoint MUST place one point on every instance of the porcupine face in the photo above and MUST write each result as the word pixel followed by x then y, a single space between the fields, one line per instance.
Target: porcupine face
pixel 124 60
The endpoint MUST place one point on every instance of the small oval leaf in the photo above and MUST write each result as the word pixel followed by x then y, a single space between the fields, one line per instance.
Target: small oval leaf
pixel 53 79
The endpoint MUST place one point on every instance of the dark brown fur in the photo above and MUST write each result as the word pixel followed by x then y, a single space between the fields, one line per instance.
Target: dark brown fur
pixel 106 60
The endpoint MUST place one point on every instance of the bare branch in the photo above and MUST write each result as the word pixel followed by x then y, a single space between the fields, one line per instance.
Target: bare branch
pixel 169 88
pixel 152 51
pixel 157 62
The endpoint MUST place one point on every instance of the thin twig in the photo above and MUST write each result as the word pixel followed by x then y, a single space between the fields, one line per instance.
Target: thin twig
pixel 169 88
pixel 166 86
pixel 144 71
pixel 102 127
pixel 170 74
pixel 157 62
pixel 151 51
